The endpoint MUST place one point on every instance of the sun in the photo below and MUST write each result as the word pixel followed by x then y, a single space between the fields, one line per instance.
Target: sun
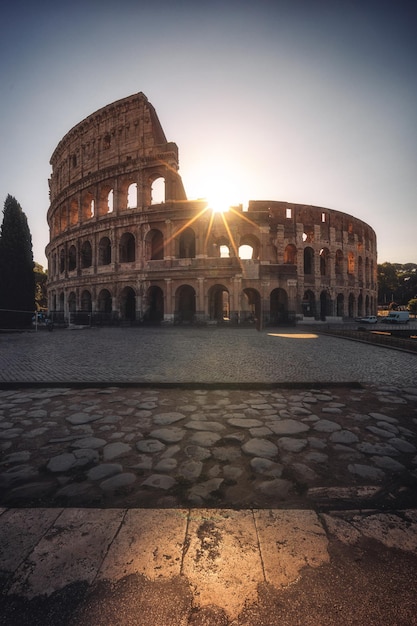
pixel 219 185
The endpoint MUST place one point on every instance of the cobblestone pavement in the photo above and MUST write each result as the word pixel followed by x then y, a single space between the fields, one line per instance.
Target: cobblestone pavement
pixel 198 355
pixel 269 474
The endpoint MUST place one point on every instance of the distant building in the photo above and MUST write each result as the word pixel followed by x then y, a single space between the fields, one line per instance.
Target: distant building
pixel 115 254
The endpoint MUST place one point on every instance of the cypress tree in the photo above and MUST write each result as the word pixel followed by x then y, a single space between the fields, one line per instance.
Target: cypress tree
pixel 17 278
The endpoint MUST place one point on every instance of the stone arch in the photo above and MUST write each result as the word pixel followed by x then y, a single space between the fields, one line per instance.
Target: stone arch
pixel 351 305
pixel 105 199
pixel 74 210
pixel 63 218
pixel 72 302
pixel 308 261
pixel 309 304
pixel 250 305
pixel 72 258
pixel 219 303
pixel 157 190
pixel 128 304
pixel 325 305
pixel 351 263
pixel 154 244
pixel 88 206
pixel 86 301
pixel 278 306
pixel 185 304
pixel 127 248
pixel 186 244
pixel 86 255
pixel 62 261
pixel 360 305
pixel 155 305
pixel 105 302
pixel 104 251
pixel 340 305
pixel 290 254
pixel 324 262
pixel 250 241
pixel 132 196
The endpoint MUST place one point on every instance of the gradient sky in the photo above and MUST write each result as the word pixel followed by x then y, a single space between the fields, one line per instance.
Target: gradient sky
pixel 310 101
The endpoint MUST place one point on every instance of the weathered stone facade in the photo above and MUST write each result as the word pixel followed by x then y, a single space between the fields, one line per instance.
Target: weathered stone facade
pixel 114 254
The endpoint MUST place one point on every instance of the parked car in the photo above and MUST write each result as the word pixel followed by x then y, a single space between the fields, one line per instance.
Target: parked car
pixel 368 319
pixel 397 317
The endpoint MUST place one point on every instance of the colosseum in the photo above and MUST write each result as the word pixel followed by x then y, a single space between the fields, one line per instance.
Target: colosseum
pixel 127 246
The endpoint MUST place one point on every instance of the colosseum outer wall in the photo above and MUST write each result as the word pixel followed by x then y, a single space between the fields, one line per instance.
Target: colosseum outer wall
pixel 120 252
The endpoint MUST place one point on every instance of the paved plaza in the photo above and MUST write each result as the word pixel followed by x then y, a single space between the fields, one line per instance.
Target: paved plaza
pixel 206 355
pixel 206 477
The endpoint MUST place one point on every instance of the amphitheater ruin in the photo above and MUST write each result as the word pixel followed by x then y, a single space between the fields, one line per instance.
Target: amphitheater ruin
pixel 119 253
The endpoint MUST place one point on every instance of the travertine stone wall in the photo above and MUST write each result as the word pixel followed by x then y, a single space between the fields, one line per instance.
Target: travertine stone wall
pixel 116 253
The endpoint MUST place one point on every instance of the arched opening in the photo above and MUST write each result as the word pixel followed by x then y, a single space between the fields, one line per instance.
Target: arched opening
pixel 86 304
pixel 104 251
pixel 290 254
pixel 367 307
pixel 86 255
pixel 154 245
pixel 104 303
pixel 88 206
pixel 249 247
pixel 72 258
pixel 128 304
pixel 324 262
pixel 185 304
pixel 158 191
pixel 351 263
pixel 132 196
pixel 110 200
pixel 224 251
pixel 360 305
pixel 351 305
pixel 61 301
pixel 325 305
pixel 154 313
pixel 62 261
pixel 73 212
pixel 278 305
pixel 309 304
pixel 72 302
pixel 187 244
pixel 219 303
pixel 250 306
pixel 308 261
pixel 64 220
pixel 340 305
pixel 360 269
pixel 127 251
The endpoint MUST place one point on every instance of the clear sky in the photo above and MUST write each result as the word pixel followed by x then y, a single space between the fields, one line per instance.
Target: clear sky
pixel 310 101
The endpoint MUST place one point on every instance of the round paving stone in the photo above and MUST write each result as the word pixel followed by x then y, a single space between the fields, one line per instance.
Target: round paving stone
pixel 163 419
pixel 104 470
pixel 290 444
pixel 260 447
pixel 278 488
pixel 343 436
pixel 402 446
pixel 326 426
pixel 150 445
pixel 82 418
pixel 288 427
pixel 114 450
pixel 115 482
pixel 168 435
pixel 89 442
pixel 242 422
pixel 205 438
pixel 61 462
pixel 190 470
pixel 159 481
pixel 365 471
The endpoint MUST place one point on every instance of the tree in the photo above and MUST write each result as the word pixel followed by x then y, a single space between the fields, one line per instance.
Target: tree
pixel 412 306
pixel 41 276
pixel 17 278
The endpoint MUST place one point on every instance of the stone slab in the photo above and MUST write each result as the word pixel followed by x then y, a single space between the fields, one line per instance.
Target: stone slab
pixel 223 561
pixel 289 541
pixel 71 550
pixel 150 542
